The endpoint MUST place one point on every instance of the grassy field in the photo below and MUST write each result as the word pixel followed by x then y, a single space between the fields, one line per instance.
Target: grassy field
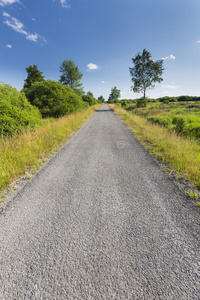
pixel 25 151
pixel 181 117
pixel 181 153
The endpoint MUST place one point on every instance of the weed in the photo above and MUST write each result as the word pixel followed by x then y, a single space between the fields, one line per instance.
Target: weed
pixel 193 194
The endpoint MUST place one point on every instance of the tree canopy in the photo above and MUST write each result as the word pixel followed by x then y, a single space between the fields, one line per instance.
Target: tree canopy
pixel 145 72
pixel 53 99
pixel 16 113
pixel 71 76
pixel 114 95
pixel 101 98
pixel 33 75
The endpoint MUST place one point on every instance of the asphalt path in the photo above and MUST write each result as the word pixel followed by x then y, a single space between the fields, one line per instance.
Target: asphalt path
pixel 100 220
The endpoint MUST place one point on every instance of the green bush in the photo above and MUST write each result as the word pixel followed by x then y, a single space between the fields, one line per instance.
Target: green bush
pixel 141 103
pixel 89 99
pixel 180 123
pixel 54 99
pixel 163 120
pixel 16 113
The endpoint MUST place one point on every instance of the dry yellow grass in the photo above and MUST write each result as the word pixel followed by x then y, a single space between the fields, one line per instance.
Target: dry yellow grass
pixel 181 153
pixel 20 152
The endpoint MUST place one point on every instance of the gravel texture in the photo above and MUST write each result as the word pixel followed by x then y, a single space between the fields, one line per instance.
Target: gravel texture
pixel 101 220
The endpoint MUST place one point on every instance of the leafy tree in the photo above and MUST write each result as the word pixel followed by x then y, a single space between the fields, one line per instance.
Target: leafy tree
pixel 33 75
pixel 101 99
pixel 71 75
pixel 114 95
pixel 89 99
pixel 145 72
pixel 90 94
pixel 53 99
pixel 16 113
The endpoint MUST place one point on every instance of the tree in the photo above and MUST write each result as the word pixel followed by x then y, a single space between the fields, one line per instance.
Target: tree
pixel 89 99
pixel 33 75
pixel 114 95
pixel 16 112
pixel 90 94
pixel 101 98
pixel 54 99
pixel 145 72
pixel 71 76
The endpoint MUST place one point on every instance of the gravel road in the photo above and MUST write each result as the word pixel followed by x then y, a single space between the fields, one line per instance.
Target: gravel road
pixel 101 220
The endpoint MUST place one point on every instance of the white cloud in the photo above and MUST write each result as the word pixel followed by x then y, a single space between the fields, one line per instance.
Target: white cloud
pixel 8 46
pixel 8 2
pixel 33 19
pixel 198 41
pixel 64 4
pixel 6 15
pixel 170 57
pixel 104 81
pixel 17 26
pixel 171 87
pixel 92 67
pixel 33 37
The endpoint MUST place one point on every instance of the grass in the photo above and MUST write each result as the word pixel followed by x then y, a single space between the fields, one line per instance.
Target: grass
pixel 182 154
pixel 184 118
pixel 24 152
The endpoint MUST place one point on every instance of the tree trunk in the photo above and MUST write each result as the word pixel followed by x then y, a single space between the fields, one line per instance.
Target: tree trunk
pixel 145 94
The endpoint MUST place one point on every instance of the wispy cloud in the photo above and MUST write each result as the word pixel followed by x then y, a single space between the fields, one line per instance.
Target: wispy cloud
pixel 14 23
pixel 170 57
pixel 8 2
pixel 104 81
pixel 33 37
pixel 198 41
pixel 171 87
pixel 8 46
pixel 18 26
pixel 92 67
pixel 64 4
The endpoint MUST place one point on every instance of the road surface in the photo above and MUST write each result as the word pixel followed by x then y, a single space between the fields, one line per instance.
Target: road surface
pixel 100 221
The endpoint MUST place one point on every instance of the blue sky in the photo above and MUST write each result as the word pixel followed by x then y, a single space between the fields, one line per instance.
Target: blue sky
pixel 102 36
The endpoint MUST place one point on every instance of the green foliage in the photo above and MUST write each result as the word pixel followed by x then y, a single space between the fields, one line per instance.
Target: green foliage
pixel 33 75
pixel 114 95
pixel 124 103
pixel 89 99
pixel 141 102
pixel 90 94
pixel 101 99
pixel 53 99
pixel 145 72
pixel 16 113
pixel 71 76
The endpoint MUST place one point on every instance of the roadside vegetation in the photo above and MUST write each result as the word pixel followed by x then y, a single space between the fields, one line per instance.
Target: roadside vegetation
pixel 38 119
pixel 180 152
pixel 23 152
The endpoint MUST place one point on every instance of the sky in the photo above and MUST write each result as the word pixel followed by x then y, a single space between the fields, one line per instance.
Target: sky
pixel 102 37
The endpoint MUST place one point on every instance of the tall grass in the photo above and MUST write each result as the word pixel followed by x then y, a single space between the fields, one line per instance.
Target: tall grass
pixel 20 152
pixel 181 153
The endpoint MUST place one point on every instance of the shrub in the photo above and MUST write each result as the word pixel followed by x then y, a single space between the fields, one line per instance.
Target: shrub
pixel 89 99
pixel 141 103
pixel 180 123
pixel 16 113
pixel 54 99
pixel 162 120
